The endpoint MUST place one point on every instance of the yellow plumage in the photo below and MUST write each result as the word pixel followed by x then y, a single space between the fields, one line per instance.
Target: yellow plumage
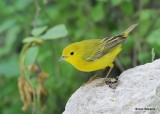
pixel 95 54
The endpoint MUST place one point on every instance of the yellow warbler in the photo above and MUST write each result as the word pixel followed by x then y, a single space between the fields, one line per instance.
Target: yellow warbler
pixel 95 54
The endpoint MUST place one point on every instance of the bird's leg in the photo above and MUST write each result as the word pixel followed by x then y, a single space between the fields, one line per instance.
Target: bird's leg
pixel 106 77
pixel 112 82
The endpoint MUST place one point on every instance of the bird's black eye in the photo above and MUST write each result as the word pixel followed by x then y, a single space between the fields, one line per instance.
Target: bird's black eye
pixel 72 53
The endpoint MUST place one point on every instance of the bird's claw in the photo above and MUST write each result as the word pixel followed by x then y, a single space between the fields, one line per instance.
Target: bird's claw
pixel 112 82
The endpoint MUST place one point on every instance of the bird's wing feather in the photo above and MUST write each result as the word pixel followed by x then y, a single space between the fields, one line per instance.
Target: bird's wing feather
pixel 105 46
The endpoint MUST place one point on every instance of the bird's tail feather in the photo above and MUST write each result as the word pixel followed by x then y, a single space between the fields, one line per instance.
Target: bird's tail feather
pixel 128 30
pixel 112 42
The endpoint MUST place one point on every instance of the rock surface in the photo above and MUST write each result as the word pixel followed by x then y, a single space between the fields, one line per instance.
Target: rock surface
pixel 138 87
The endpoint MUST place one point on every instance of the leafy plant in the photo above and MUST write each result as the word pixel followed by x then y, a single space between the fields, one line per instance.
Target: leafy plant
pixel 28 87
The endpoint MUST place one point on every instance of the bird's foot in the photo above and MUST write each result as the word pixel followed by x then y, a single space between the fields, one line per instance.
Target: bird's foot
pixel 112 82
pixel 91 79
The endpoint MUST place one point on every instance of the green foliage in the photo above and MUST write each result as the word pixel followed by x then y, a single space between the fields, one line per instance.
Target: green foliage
pixel 83 19
pixel 97 12
pixel 153 54
pixel 38 31
pixel 55 32
pixel 153 37
pixel 32 39
pixel 31 55
pixel 10 68
pixel 9 40
pixel 35 87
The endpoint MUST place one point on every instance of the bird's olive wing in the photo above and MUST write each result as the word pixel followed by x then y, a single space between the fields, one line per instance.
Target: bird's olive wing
pixel 106 45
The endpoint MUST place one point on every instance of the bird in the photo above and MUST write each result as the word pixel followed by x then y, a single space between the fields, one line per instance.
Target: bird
pixel 95 54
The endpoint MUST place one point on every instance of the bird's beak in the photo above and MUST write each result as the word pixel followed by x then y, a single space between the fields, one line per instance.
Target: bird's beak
pixel 62 58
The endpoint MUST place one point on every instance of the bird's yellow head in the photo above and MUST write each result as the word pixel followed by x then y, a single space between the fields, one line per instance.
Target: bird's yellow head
pixel 70 53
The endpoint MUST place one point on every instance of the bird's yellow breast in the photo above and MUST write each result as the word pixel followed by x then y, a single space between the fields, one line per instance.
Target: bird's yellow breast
pixel 98 64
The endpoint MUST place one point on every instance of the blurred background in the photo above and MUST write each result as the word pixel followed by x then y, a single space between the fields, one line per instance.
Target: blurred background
pixel 83 19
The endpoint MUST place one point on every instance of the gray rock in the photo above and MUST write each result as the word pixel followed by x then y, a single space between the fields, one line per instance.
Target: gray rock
pixel 138 87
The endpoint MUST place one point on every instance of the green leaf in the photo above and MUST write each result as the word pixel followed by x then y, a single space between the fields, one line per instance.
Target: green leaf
pixel 38 31
pixel 10 39
pixel 146 14
pixel 116 2
pixel 127 61
pixel 153 54
pixel 153 37
pixel 32 39
pixel 31 56
pixel 127 8
pixel 102 0
pixel 144 57
pixel 21 5
pixel 145 2
pixel 9 67
pixel 7 25
pixel 55 32
pixel 97 12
